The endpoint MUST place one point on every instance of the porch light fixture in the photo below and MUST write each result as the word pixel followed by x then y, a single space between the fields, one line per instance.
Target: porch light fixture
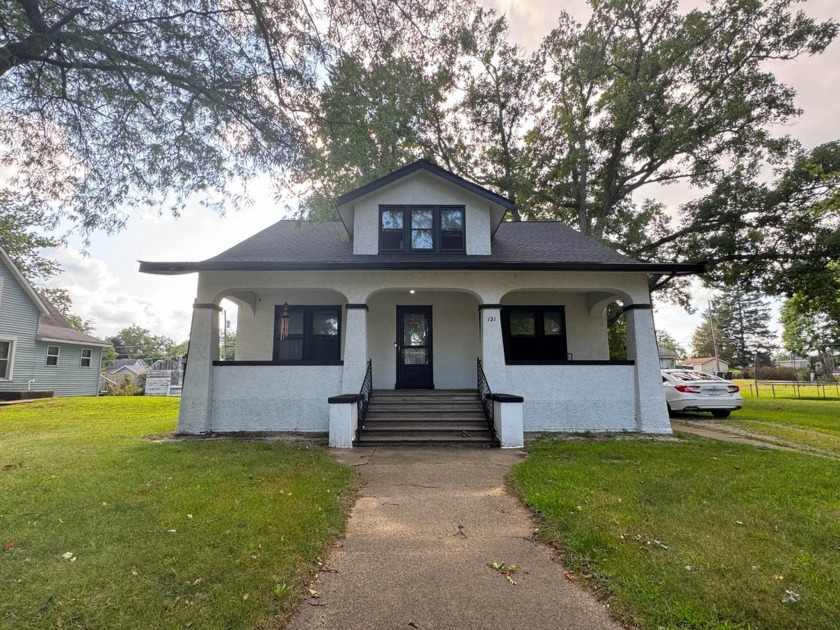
pixel 284 322
pixel 411 291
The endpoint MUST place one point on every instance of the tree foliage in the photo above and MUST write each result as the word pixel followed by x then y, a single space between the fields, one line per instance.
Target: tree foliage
pixel 809 330
pixel 22 238
pixel 110 105
pixel 136 342
pixel 665 340
pixel 743 318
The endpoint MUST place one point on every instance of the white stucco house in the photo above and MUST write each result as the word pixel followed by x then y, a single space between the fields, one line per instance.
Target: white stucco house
pixel 421 277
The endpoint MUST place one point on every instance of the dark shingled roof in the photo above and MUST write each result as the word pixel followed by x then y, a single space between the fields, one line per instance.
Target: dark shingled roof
pixel 54 326
pixel 302 245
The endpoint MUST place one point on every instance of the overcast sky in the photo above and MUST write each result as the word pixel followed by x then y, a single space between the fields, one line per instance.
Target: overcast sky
pixel 107 288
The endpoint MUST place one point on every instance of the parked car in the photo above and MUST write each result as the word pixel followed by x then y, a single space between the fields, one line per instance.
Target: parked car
pixel 686 390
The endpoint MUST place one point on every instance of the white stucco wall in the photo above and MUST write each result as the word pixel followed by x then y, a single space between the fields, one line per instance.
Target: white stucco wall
pixel 255 330
pixel 586 332
pixel 455 336
pixel 273 398
pixel 575 397
pixel 557 398
pixel 421 189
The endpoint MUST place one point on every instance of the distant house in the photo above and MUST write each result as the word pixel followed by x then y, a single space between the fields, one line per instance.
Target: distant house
pixel 39 349
pixel 128 367
pixel 705 364
pixel 667 357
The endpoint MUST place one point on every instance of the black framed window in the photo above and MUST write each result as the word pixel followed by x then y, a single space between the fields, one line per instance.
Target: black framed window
pixel 422 229
pixel 534 333
pixel 307 334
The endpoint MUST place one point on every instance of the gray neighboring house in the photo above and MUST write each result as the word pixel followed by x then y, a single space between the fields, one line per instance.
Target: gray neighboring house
pixel 131 368
pixel 39 350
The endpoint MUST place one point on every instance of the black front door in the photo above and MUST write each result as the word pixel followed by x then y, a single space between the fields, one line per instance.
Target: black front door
pixel 414 347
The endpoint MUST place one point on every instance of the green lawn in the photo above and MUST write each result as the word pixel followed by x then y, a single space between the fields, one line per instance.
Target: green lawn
pixel 103 528
pixel 810 422
pixel 693 533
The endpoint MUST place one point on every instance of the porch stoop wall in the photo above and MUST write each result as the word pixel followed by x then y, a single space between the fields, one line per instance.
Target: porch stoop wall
pixel 195 415
pixel 651 409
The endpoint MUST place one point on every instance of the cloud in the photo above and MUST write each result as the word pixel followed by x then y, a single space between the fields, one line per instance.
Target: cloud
pixel 106 299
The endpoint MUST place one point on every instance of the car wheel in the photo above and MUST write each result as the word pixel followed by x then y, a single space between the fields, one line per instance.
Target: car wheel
pixel 721 413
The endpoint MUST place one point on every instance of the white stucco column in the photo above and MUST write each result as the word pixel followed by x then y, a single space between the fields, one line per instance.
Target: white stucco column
pixel 355 348
pixel 195 415
pixel 492 348
pixel 651 410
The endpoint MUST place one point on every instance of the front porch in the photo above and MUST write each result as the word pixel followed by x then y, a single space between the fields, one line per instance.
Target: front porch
pixel 539 336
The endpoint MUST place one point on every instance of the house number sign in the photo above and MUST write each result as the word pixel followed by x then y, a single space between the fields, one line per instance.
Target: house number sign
pixel 491 318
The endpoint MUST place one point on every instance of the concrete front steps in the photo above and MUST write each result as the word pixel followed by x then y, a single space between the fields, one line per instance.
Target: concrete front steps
pixel 425 417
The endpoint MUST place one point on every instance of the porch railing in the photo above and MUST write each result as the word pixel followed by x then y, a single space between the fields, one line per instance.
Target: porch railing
pixel 365 394
pixel 485 394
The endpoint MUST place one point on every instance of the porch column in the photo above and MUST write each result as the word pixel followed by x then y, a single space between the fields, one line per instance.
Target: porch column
pixel 651 410
pixel 196 397
pixel 492 348
pixel 355 348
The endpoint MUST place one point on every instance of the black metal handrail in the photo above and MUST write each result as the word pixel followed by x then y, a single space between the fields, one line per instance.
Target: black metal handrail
pixel 365 394
pixel 485 394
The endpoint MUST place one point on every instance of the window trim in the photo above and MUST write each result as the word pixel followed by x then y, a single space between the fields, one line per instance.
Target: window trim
pixel 539 333
pixel 89 358
pixel 436 229
pixel 12 341
pixel 49 356
pixel 308 310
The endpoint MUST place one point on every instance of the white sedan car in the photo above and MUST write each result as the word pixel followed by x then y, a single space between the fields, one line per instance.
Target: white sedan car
pixel 686 390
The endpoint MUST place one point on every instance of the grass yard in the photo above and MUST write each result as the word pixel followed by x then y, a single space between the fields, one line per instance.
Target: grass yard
pixel 810 422
pixel 103 528
pixel 693 533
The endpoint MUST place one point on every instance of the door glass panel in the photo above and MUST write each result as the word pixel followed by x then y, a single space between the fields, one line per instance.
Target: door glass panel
pixel 523 324
pixel 415 356
pixel 415 329
pixel 295 322
pixel 553 323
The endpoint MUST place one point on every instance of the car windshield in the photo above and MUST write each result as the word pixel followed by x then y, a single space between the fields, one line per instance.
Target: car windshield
pixel 689 376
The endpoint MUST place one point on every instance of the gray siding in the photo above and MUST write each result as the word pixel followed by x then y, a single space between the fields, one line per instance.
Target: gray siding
pixel 19 318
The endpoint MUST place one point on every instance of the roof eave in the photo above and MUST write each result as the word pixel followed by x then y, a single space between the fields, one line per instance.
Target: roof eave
pixel 177 268
pixel 72 342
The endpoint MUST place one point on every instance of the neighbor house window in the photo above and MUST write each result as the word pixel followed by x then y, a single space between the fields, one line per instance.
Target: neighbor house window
pixel 5 359
pixel 421 229
pixel 87 356
pixel 307 334
pixel 52 355
pixel 534 333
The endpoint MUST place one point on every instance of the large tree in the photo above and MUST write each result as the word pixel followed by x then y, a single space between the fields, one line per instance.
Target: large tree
pixel 808 330
pixel 136 342
pixel 110 105
pixel 744 321
pixel 643 94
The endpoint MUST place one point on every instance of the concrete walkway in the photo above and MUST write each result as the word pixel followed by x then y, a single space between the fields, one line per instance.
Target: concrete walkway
pixel 427 523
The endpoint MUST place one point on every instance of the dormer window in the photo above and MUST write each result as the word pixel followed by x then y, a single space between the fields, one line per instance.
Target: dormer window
pixel 421 229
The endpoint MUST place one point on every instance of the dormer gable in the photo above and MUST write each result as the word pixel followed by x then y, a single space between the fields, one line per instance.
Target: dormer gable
pixel 422 208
